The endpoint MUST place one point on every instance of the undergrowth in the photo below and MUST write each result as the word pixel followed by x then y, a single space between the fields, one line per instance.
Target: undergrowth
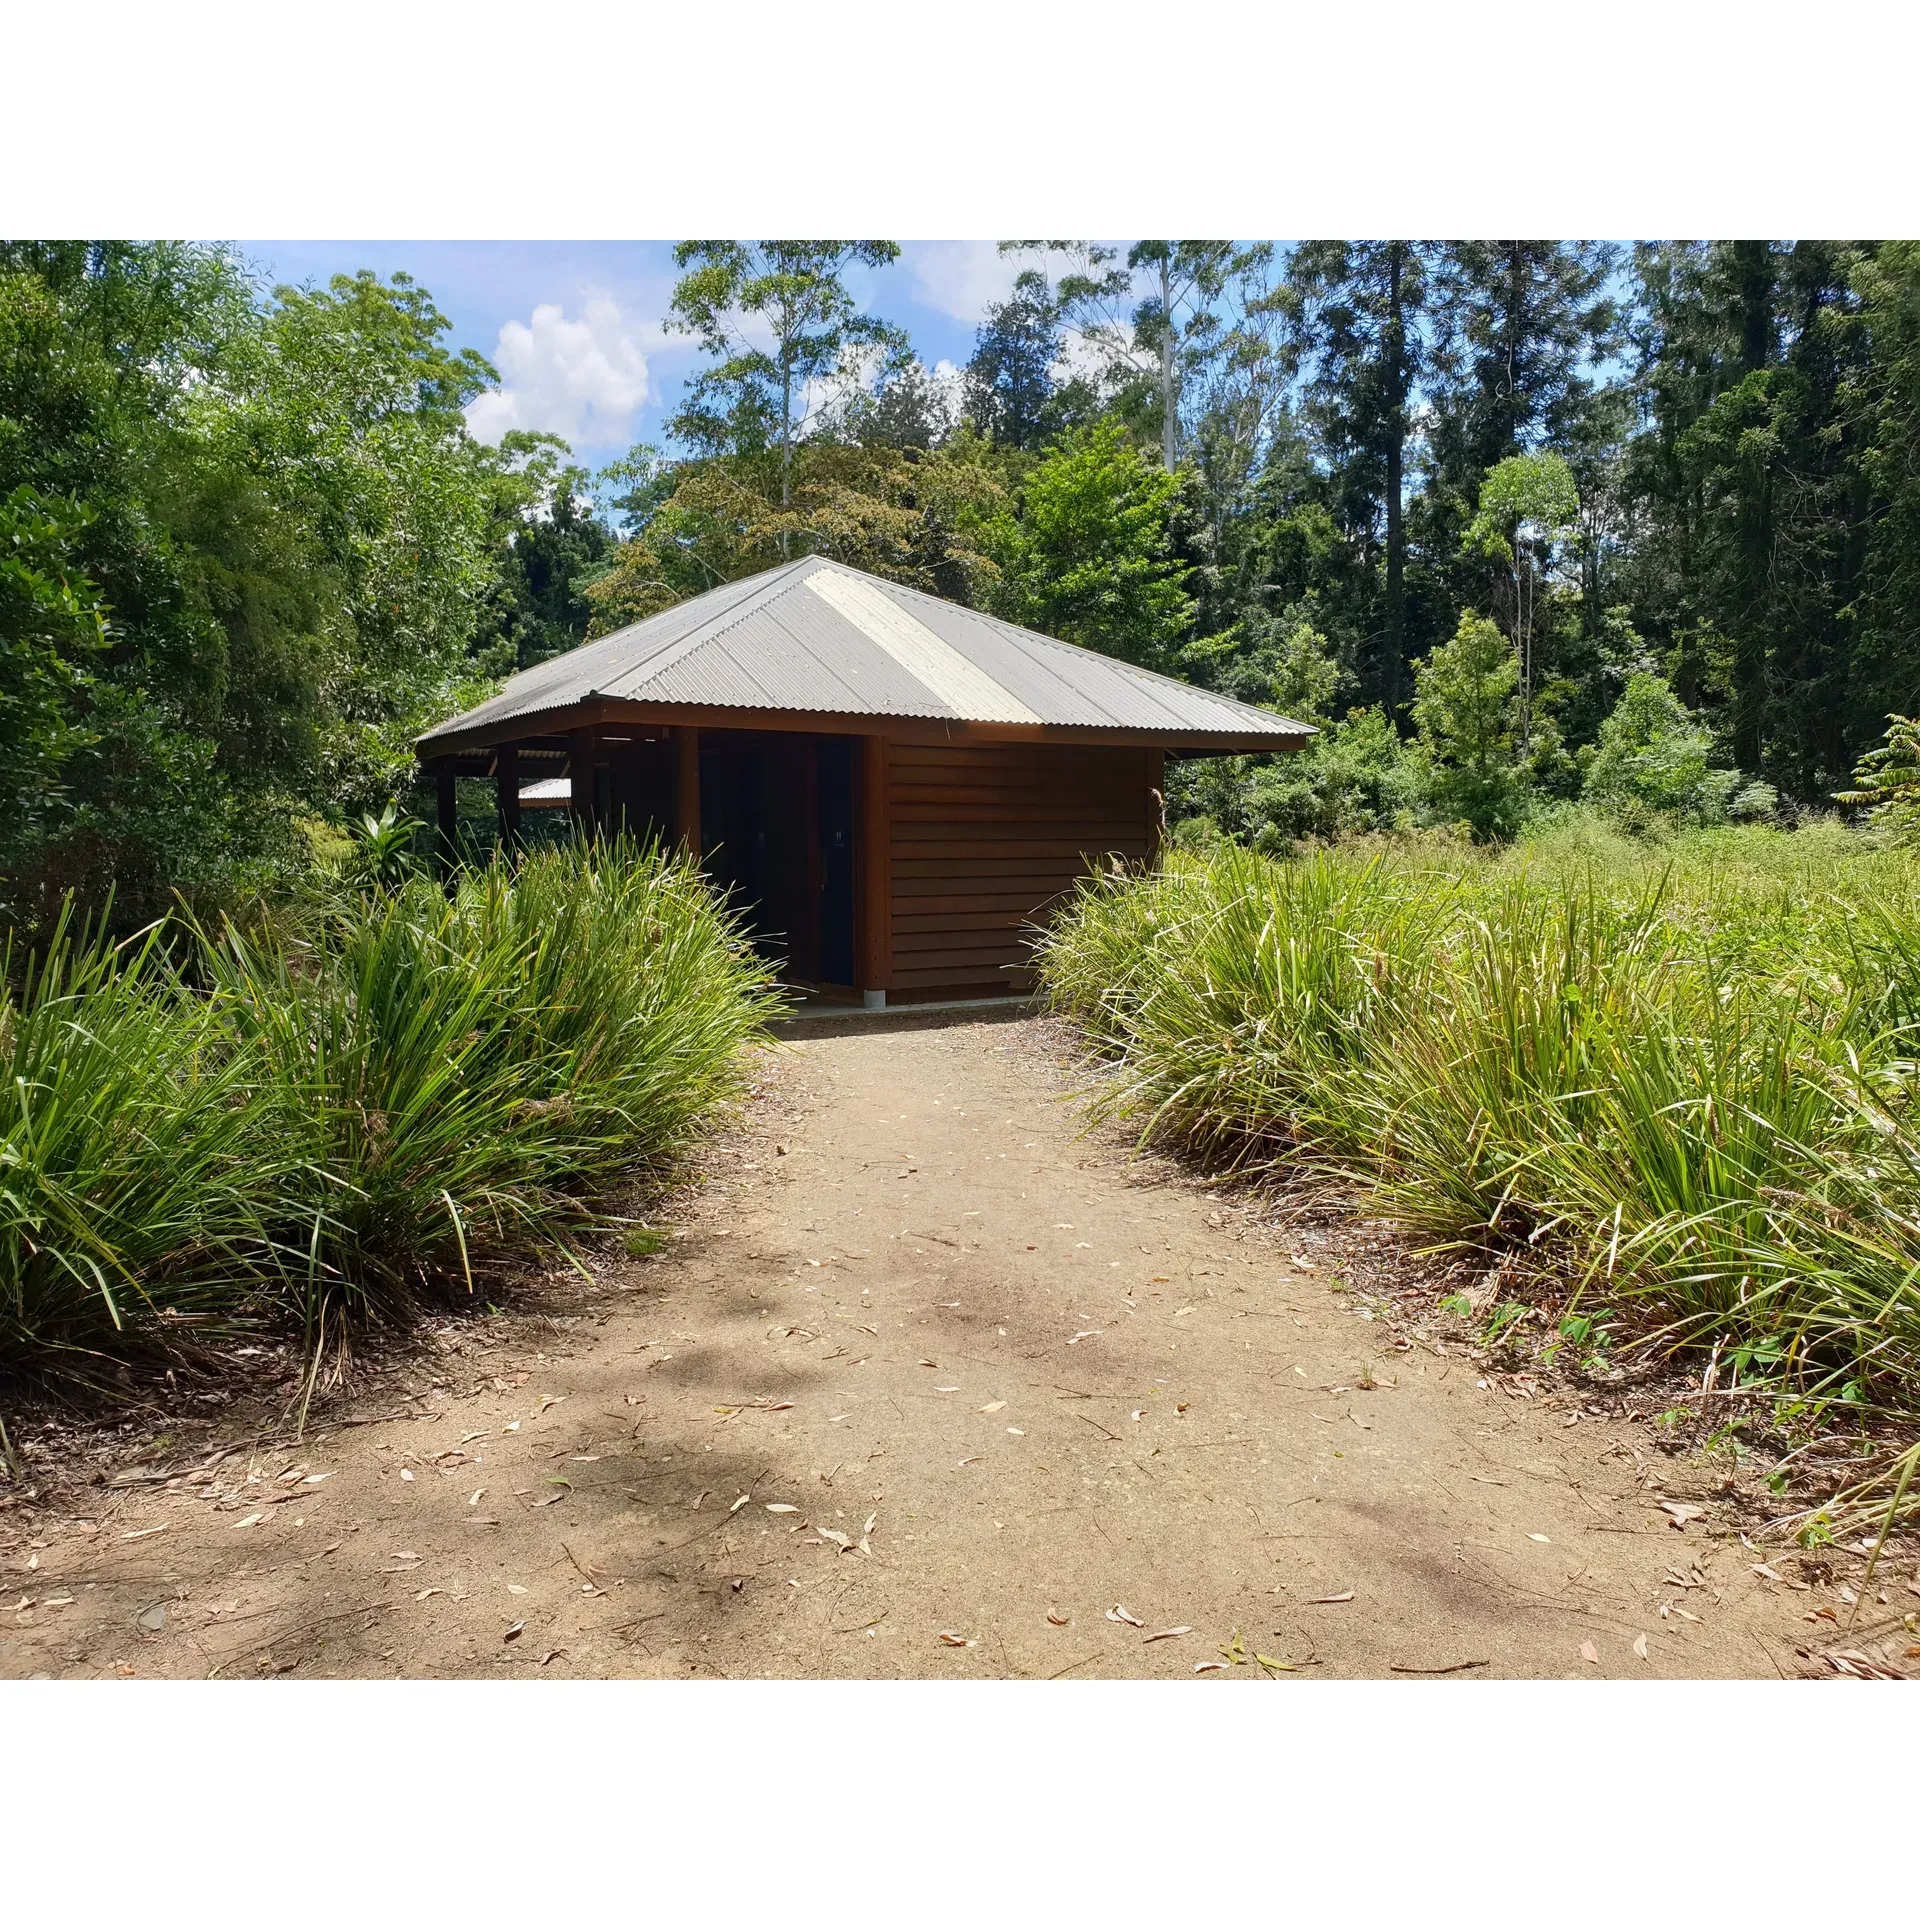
pixel 1682 1073
pixel 306 1126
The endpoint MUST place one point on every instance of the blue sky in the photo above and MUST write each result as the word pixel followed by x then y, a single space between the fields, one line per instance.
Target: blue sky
pixel 574 326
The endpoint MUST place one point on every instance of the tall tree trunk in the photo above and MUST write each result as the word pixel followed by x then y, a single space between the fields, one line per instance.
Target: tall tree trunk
pixel 1754 269
pixel 1169 407
pixel 1393 665
pixel 786 447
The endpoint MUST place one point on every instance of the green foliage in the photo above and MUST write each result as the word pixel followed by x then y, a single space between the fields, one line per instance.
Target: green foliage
pixel 248 541
pixel 381 853
pixel 1088 555
pixel 1887 781
pixel 1682 1080
pixel 1463 708
pixel 918 518
pixel 1527 493
pixel 319 1127
pixel 1652 760
pixel 732 293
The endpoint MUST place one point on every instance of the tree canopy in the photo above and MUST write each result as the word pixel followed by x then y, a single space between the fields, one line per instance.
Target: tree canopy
pixel 249 547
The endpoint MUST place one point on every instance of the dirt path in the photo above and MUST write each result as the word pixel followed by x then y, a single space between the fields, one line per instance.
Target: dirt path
pixel 995 1384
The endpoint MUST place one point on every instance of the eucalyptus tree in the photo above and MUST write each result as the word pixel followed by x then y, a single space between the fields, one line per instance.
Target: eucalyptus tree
pixel 792 294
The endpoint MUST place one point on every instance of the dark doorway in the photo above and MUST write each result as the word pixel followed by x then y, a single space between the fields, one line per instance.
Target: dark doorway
pixel 835 788
pixel 758 842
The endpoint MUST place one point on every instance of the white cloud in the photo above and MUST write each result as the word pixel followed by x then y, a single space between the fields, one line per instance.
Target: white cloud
pixel 962 278
pixel 583 379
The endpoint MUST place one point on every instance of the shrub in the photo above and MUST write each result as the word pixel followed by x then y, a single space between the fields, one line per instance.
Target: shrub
pixel 1684 1080
pixel 326 1123
pixel 1463 707
pixel 1651 761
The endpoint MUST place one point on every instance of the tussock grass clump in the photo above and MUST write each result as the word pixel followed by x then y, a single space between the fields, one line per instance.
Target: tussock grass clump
pixel 318 1126
pixel 1685 1072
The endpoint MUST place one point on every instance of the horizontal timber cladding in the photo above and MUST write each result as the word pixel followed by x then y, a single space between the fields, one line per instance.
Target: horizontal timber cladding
pixel 984 840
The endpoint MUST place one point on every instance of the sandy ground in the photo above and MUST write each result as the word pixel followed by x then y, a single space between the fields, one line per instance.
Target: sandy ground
pixel 930 1382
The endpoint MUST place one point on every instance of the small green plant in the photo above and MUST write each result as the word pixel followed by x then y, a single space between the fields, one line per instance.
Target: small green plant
pixel 1588 1334
pixel 381 854
pixel 639 1242
pixel 1506 1315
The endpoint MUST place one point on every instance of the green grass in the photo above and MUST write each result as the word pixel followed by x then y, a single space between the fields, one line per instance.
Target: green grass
pixel 1681 1073
pixel 313 1129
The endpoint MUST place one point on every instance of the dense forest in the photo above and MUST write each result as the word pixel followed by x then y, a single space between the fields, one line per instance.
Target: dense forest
pixel 1519 524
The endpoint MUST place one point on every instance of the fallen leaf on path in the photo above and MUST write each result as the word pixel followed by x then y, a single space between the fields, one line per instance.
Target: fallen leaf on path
pixel 550 1499
pixel 1274 1666
pixel 741 1502
pixel 956 1640
pixel 406 1473
pixel 781 1506
pixel 873 1520
pixel 1331 1599
pixel 142 1532
pixel 1209 1666
pixel 552 1654
pixel 1085 1333
pixel 1640 1646
pixel 427 1593
pixel 1679 1513
pixel 1059 1620
pixel 840 1540
pixel 1165 1633
pixel 1587 1652
pixel 1541 1537
pixel 1019 1432
pixel 549 1400
pixel 1305 1265
pixel 511 1588
pixel 252 1520
pixel 515 1631
pixel 1121 1617
pixel 476 1496
pixel 973 1460
pixel 1235 1650
pixel 930 1363
pixel 993 1406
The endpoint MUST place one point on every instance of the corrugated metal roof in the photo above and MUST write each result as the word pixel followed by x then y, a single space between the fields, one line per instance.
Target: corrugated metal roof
pixel 816 637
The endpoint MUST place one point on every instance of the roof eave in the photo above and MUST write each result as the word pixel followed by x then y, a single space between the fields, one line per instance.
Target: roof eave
pixel 603 710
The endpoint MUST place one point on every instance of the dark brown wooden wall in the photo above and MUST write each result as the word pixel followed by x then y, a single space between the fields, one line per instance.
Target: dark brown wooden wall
pixel 983 840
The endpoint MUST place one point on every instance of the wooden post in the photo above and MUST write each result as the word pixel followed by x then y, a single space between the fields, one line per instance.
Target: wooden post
pixel 876 873
pixel 506 795
pixel 580 784
pixel 686 789
pixel 1156 802
pixel 446 848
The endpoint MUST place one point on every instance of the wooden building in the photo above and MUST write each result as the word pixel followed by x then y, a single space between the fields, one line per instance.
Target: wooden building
pixel 890 788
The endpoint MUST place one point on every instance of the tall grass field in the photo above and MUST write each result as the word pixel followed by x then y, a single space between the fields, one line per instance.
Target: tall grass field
pixel 1682 1073
pixel 278 1128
